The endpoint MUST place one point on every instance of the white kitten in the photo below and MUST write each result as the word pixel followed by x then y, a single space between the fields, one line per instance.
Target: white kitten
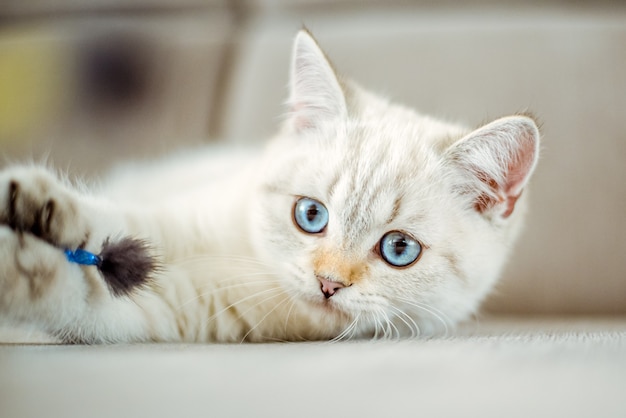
pixel 361 219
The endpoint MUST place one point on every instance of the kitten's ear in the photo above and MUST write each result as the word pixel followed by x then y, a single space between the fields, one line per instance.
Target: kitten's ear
pixel 315 93
pixel 497 161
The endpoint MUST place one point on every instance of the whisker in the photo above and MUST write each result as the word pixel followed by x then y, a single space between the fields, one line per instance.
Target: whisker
pixel 224 288
pixel 242 314
pixel 391 326
pixel 398 313
pixel 346 331
pixel 293 304
pixel 218 284
pixel 354 328
pixel 415 329
pixel 384 323
pixel 241 260
pixel 433 309
pixel 440 316
pixel 285 299
pixel 207 321
pixel 212 317
pixel 376 324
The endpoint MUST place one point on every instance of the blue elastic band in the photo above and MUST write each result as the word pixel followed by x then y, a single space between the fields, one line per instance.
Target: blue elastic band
pixel 82 257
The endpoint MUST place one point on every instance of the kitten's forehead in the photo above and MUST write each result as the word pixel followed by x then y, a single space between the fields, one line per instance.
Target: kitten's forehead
pixel 375 178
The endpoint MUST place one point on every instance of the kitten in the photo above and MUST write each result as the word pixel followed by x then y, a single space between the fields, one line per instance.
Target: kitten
pixel 361 219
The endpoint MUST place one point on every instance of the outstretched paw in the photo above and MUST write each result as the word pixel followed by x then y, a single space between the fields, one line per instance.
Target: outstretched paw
pixel 37 206
pixel 35 201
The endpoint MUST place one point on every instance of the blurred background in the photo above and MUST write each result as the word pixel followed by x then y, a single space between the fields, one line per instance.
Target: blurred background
pixel 86 84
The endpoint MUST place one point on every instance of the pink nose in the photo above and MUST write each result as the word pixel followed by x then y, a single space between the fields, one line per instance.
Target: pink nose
pixel 329 287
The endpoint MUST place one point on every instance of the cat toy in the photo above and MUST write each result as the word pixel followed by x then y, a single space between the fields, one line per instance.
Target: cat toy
pixel 82 257
pixel 125 265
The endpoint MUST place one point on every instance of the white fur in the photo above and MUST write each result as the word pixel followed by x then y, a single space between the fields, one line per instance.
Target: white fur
pixel 234 265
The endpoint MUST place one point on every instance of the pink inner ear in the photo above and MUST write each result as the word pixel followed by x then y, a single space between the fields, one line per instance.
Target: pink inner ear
pixel 485 202
pixel 519 167
pixel 518 171
pixel 510 204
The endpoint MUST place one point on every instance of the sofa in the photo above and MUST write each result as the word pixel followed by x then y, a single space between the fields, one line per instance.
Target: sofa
pixel 550 340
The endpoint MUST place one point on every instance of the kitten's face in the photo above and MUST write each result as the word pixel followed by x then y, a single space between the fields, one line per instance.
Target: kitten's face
pixel 396 243
pixel 370 218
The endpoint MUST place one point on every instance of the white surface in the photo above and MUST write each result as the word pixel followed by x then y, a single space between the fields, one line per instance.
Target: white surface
pixel 504 368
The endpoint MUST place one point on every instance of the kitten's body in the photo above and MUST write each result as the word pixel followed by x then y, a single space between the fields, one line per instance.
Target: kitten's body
pixel 235 265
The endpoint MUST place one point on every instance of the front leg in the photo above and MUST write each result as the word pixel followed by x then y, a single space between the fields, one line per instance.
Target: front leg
pixel 40 217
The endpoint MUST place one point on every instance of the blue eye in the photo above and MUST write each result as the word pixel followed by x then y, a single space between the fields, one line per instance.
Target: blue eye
pixel 398 249
pixel 310 215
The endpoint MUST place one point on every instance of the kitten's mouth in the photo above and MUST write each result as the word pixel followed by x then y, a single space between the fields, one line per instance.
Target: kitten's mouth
pixel 321 301
pixel 327 305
